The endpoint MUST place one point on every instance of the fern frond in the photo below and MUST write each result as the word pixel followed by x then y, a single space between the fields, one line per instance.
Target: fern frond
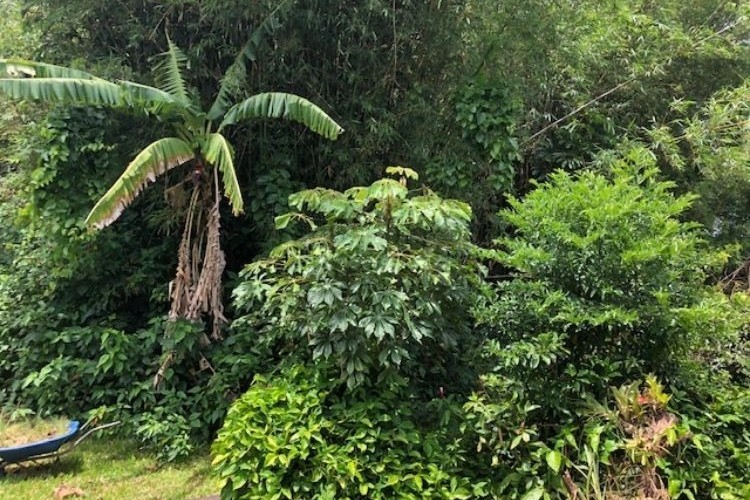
pixel 287 106
pixel 218 152
pixel 154 160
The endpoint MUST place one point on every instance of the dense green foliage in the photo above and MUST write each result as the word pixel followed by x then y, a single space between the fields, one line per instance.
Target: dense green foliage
pixel 707 153
pixel 381 285
pixel 610 286
pixel 608 262
pixel 599 347
pixel 295 435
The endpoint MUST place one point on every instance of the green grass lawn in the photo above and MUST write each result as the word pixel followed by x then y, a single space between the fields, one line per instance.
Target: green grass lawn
pixel 112 469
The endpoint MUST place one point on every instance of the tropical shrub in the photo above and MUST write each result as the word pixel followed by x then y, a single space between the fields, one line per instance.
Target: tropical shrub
pixel 645 433
pixel 294 435
pixel 608 285
pixel 382 283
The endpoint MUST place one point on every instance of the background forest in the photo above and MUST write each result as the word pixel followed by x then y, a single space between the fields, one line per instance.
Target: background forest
pixel 521 271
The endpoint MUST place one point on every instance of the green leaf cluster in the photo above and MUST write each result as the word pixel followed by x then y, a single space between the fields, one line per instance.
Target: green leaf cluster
pixel 607 283
pixel 707 149
pixel 291 436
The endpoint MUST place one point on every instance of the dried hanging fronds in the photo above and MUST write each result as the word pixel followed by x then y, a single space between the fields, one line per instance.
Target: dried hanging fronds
pixel 196 289
pixel 180 287
pixel 197 286
pixel 206 297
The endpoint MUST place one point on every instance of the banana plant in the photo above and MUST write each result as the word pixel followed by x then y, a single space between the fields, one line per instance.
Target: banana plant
pixel 198 142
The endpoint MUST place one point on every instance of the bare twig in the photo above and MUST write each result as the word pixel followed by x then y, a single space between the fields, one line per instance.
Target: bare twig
pixel 570 486
pixel 579 109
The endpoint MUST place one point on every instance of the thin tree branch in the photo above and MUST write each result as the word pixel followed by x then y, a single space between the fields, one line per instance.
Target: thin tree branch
pixel 579 109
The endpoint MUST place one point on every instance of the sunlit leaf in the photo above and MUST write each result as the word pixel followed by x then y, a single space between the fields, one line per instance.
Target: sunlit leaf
pixel 154 160
pixel 218 152
pixel 169 73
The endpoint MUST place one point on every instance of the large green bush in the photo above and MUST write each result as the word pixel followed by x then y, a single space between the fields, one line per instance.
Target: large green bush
pixel 380 291
pixel 382 283
pixel 605 261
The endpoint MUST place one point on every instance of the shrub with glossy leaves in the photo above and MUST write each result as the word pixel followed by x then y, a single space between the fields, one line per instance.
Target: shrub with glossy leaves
pixel 292 436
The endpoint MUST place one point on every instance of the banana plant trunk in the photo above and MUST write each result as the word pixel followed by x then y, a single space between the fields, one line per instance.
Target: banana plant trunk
pixel 196 289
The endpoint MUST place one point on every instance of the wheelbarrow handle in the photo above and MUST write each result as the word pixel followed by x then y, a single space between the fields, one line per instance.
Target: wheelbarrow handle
pixel 88 433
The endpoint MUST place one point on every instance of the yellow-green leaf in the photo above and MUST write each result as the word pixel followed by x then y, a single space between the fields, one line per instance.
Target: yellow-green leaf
pixel 554 460
pixel 154 160
pixel 218 152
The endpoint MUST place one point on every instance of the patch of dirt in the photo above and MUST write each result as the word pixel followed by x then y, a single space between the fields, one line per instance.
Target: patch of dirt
pixel 64 491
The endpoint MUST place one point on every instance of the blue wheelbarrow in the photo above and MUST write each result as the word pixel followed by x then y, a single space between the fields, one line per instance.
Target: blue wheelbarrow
pixel 54 447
